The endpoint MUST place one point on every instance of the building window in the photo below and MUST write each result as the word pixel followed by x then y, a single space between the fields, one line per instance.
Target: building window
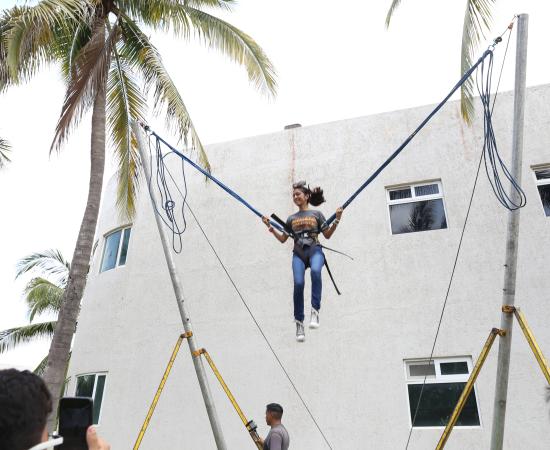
pixel 542 178
pixel 116 249
pixel 417 207
pixel 93 386
pixel 445 380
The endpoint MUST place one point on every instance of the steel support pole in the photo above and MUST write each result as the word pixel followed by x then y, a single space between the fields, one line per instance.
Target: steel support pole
pixel 178 291
pixel 508 298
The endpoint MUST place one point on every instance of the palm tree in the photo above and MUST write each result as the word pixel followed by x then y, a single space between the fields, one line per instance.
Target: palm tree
pixel 4 150
pixel 43 294
pixel 477 20
pixel 110 66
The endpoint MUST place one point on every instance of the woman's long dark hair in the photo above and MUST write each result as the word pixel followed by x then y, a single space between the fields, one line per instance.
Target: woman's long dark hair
pixel 315 195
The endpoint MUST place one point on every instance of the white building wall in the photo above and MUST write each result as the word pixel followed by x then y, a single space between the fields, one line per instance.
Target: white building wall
pixel 351 371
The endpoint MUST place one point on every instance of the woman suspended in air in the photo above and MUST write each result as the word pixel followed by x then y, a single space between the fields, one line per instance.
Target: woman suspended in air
pixel 306 224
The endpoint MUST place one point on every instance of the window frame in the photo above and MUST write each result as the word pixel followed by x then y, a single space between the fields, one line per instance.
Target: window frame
pixel 96 374
pixel 543 182
pixel 438 379
pixel 415 198
pixel 122 229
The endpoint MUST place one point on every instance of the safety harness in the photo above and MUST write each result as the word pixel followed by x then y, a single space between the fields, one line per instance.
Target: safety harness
pixel 304 252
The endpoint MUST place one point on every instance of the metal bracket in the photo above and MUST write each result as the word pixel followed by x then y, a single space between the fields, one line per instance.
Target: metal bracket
pixel 498 331
pixel 198 352
pixel 507 309
pixel 187 334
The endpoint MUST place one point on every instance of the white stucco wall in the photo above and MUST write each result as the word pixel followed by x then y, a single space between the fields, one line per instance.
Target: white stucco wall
pixel 350 371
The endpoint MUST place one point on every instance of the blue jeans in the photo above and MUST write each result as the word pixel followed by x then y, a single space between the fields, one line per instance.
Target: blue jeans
pixel 316 262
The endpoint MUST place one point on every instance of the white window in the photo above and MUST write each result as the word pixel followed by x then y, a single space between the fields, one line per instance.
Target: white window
pixel 416 207
pixel 445 380
pixel 92 385
pixel 115 249
pixel 542 178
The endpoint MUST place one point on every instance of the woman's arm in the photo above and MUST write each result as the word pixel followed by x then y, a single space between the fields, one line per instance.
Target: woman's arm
pixel 281 237
pixel 330 231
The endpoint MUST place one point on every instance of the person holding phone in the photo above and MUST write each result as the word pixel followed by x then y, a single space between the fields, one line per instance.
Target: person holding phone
pixel 306 225
pixel 25 404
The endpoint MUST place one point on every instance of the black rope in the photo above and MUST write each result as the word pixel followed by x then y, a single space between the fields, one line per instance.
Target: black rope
pixel 168 204
pixel 481 158
pixel 495 167
pixel 251 314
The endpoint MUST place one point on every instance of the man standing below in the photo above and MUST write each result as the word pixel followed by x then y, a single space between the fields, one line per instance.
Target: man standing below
pixel 277 438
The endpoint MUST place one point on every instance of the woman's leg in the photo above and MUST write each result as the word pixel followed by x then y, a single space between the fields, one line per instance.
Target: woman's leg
pixel 316 262
pixel 298 270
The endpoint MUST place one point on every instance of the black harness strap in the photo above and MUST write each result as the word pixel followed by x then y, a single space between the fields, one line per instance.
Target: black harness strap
pixel 302 254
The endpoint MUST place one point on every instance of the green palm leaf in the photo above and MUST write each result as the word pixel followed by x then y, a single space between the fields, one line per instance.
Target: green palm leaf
pixel 31 30
pixel 5 148
pixel 28 333
pixel 90 75
pixel 142 56
pixel 394 5
pixel 42 296
pixel 40 369
pixel 125 103
pixel 477 20
pixel 221 36
pixel 49 262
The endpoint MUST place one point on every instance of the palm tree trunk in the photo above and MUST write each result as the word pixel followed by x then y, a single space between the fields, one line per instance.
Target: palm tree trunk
pixel 70 306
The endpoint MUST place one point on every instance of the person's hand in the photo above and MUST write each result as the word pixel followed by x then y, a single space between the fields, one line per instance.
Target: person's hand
pixel 267 224
pixel 339 212
pixel 94 441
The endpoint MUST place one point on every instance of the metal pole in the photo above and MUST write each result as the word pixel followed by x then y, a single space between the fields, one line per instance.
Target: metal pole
pixel 178 291
pixel 508 298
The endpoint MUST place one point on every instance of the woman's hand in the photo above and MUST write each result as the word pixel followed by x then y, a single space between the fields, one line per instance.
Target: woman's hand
pixel 267 224
pixel 339 213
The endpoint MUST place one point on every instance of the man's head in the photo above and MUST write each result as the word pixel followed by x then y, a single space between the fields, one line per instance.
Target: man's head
pixel 273 414
pixel 25 404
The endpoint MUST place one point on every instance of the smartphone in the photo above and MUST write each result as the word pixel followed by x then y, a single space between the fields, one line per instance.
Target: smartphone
pixel 75 416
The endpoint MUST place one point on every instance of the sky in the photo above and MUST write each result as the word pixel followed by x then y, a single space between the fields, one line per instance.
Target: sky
pixel 334 60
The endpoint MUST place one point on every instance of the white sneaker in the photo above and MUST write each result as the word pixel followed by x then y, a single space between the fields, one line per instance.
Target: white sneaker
pixel 314 323
pixel 300 333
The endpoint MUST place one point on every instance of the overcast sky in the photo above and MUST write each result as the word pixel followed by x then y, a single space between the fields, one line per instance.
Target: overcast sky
pixel 334 60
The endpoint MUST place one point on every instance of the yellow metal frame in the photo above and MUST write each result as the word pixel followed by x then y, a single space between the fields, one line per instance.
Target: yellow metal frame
pixel 543 363
pixel 160 388
pixel 469 386
pixel 530 340
pixel 249 424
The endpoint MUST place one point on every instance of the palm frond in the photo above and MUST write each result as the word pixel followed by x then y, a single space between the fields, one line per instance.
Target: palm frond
pixel 477 21
pixel 15 336
pixel 162 15
pixel 5 148
pixel 42 296
pixel 32 28
pixel 90 74
pixel 142 56
pixel 41 368
pixel 49 262
pixel 125 103
pixel 394 5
